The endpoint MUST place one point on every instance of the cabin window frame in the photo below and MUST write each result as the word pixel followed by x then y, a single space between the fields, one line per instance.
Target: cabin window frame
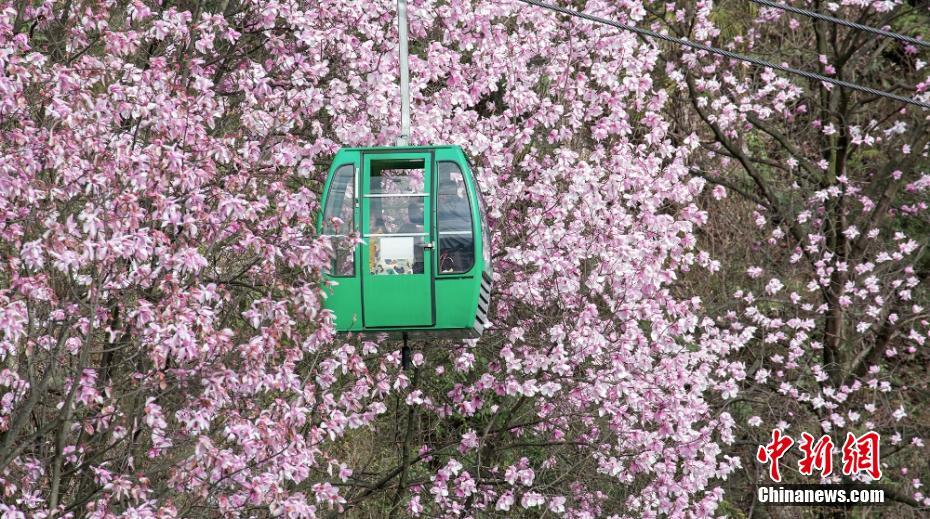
pixel 469 190
pixel 421 237
pixel 352 202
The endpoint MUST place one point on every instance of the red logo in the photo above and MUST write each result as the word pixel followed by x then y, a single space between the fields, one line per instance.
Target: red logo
pixel 773 452
pixel 816 456
pixel 860 454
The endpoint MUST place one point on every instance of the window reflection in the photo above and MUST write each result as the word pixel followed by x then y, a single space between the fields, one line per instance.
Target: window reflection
pixel 397 180
pixel 397 214
pixel 456 239
pixel 339 221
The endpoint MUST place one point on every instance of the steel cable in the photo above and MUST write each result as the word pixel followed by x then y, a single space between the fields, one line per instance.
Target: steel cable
pixel 844 23
pixel 731 55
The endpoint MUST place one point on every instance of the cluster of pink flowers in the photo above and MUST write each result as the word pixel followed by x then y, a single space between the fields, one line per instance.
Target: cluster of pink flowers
pixel 163 348
pixel 833 298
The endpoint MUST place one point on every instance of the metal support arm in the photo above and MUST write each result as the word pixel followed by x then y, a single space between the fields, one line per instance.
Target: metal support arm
pixel 404 138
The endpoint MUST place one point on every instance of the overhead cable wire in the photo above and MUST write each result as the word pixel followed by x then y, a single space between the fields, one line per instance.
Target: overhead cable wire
pixel 732 55
pixel 844 23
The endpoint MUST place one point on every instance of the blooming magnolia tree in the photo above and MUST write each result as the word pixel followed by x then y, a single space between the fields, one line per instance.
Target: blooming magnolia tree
pixel 163 351
pixel 828 190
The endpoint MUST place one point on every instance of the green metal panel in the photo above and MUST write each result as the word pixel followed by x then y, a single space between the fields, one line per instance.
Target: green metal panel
pixel 420 303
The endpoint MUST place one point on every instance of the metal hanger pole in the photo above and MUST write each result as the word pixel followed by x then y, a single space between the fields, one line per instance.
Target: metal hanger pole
pixel 404 138
pixel 405 355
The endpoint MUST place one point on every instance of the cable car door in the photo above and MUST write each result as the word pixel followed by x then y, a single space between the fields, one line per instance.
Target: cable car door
pixel 396 257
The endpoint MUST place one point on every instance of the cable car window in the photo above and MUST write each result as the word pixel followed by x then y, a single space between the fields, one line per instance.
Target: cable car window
pixel 339 220
pixel 456 239
pixel 406 180
pixel 396 215
pixel 396 229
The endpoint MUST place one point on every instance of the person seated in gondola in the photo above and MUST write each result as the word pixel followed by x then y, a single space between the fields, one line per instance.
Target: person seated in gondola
pixel 414 225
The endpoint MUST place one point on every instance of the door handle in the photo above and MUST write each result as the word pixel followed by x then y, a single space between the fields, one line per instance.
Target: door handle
pixel 428 245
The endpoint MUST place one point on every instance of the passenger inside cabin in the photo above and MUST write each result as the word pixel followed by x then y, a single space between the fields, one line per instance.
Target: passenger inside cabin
pixel 414 225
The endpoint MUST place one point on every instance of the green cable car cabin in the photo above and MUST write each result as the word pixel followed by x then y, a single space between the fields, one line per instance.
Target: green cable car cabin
pixel 423 267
